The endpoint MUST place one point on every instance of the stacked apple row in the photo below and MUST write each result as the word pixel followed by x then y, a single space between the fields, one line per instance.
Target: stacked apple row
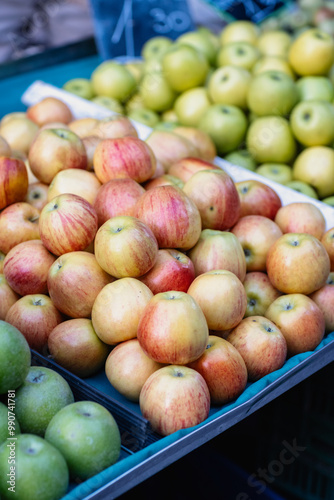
pixel 156 266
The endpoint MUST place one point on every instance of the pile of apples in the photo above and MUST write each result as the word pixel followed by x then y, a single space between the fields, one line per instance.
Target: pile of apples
pixel 263 95
pixel 144 259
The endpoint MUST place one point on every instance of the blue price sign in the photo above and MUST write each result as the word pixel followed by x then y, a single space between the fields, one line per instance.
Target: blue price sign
pixel 252 10
pixel 121 28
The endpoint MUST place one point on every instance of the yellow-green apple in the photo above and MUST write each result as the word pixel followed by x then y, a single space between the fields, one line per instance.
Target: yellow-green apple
pixel 216 197
pixel 312 123
pixel 75 181
pixel 184 67
pixel 238 31
pixel 301 217
pixel 226 125
pixel 322 180
pixel 19 132
pixel 169 117
pixel 117 197
pixel 156 92
pixel 319 88
pixel 90 142
pixel 201 42
pixel 270 139
pixel 256 234
pixel 33 407
pixel 174 397
pixel 273 63
pixel 113 79
pixel 117 310
pixel 328 242
pixel 298 263
pixel 74 280
pixel 190 106
pixel 242 158
pixel 15 357
pixel 127 368
pixel 5 149
pixel 43 469
pixel 261 344
pixel 18 222
pixel 278 172
pixel 223 369
pixel 125 247
pixel 324 298
pixel 304 188
pixel 169 147
pixel 79 86
pixel 136 67
pixel 173 270
pixel 274 42
pixel 114 126
pixel 172 216
pixel 218 250
pixel 108 102
pixel 124 157
pixel 159 332
pixel 35 316
pixel 37 195
pixel 312 53
pixel 7 297
pixel 241 54
pixel 82 127
pixel 229 85
pixel 257 198
pixel 222 298
pixel 146 116
pixel 67 223
pixel 83 426
pixel 163 180
pixel 272 93
pixel 26 267
pixel 260 293
pixel 155 47
pixel 74 345
pixel 49 109
pixel 201 140
pixel 13 181
pixel 300 320
pixel 188 166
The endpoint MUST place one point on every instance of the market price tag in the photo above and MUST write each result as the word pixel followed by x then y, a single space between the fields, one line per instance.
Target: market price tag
pixel 121 28
pixel 252 10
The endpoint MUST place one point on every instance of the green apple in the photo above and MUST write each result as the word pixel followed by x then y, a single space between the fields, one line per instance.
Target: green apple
pixel 156 92
pixel 9 425
pixel 109 103
pixel 191 105
pixel 242 158
pixel 80 86
pixel 320 178
pixel 273 63
pixel 146 116
pixel 319 88
pixel 88 437
pixel 136 68
pixel 312 53
pixel 270 139
pixel 184 67
pixel 312 123
pixel 113 79
pixel 274 42
pixel 278 172
pixel 165 125
pixel 15 357
pixel 213 37
pixel 169 116
pixel 272 93
pixel 155 47
pixel 201 42
pixel 32 469
pixel 303 187
pixel 241 54
pixel 329 200
pixel 229 85
pixel 135 102
pixel 152 66
pixel 43 393
pixel 241 30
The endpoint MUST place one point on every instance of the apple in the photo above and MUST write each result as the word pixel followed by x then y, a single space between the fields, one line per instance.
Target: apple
pixel 67 223
pixel 127 368
pixel 222 298
pixel 304 188
pixel 173 398
pixel 83 127
pixel 298 263
pixel 169 147
pixel 19 132
pixel 75 181
pixel 216 197
pixel 226 125
pixel 303 169
pixel 223 369
pixel 113 79
pixel 18 222
pixel 145 115
pixel 124 157
pixel 136 68
pixel 229 85
pixel 278 172
pixel 156 92
pixel 114 126
pixel 301 217
pixel 240 31
pixel 163 180
pixel 73 281
pixel 239 53
pixel 33 406
pixel 108 102
pixel 90 142
pixel 79 86
pixel 26 267
pixel 201 140
pixel 35 316
pixel 13 181
pixel 49 109
pixel 191 105
pixel 274 42
pixel 261 344
pixel 218 250
pixel 173 270
pixel 201 42
pixel 155 47
pixel 7 297
pixel 273 63
pixel 7 429
pixel 299 319
pixel 328 242
pixel 171 215
pixel 260 293
pixel 256 234
pixel 185 168
pixel 242 158
pixel 5 149
pixel 126 247
pixel 117 197
pixel 312 123
pixel 37 195
pixel 88 437
pixel 2 258
pixel 43 470
pixel 15 357
pixel 270 139
pixel 74 345
pixel 329 200
pixel 324 298
pixel 257 198
pixel 312 53
pixel 315 88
